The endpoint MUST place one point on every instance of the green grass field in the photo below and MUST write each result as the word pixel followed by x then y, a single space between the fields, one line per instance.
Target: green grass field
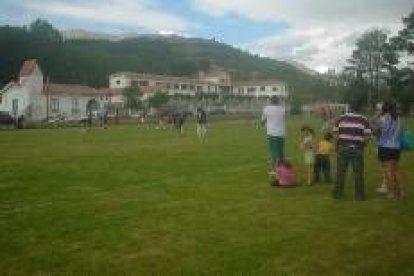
pixel 131 200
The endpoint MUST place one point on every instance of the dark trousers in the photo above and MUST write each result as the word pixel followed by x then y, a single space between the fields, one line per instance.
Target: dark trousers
pixel 276 146
pixel 322 165
pixel 356 158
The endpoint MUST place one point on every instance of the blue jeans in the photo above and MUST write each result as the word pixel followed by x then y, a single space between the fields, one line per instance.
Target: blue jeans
pixel 276 146
pixel 356 158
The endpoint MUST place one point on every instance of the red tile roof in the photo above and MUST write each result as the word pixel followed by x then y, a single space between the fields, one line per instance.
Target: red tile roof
pixel 28 68
pixel 258 83
pixel 77 90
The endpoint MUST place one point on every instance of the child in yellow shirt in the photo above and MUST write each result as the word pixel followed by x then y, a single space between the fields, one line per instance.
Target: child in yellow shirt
pixel 322 159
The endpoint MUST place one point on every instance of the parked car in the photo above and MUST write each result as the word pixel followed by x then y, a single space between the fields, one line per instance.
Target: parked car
pixel 8 120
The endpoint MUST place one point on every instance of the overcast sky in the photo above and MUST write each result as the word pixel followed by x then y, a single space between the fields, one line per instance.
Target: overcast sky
pixel 317 33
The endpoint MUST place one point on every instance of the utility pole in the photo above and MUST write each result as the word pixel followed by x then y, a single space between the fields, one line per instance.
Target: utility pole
pixel 47 98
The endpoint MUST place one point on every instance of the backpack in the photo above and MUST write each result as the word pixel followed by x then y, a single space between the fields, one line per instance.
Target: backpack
pixel 406 140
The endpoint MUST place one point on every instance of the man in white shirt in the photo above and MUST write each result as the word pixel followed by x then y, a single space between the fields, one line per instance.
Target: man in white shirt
pixel 274 117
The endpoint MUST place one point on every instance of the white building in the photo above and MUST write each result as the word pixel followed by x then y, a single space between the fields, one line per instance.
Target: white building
pixel 71 101
pixel 150 84
pixel 24 96
pixel 261 88
pixel 204 83
pixel 30 97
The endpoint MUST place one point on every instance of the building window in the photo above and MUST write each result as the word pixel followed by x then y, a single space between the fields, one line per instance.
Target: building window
pixel 143 83
pixel 168 85
pixel 183 86
pixel 199 88
pixel 274 89
pixel 176 86
pixel 262 88
pixel 54 105
pixel 191 86
pixel 75 106
pixel 118 82
pixel 251 89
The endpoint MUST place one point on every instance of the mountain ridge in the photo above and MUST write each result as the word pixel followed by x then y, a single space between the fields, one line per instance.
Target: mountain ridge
pixel 90 62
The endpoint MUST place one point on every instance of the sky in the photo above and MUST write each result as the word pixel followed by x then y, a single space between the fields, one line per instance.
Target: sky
pixel 320 34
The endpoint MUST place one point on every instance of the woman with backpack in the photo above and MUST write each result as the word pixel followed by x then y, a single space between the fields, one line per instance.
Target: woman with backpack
pixel 389 147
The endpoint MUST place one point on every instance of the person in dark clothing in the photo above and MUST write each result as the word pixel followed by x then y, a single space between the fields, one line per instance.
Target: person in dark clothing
pixel 20 122
pixel 201 125
pixel 89 121
pixel 352 129
pixel 179 120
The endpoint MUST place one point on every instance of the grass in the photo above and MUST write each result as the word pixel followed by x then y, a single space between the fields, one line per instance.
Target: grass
pixel 141 201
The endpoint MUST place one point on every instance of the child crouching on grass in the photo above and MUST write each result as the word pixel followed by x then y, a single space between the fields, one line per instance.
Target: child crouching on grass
pixel 282 174
pixel 322 159
pixel 308 147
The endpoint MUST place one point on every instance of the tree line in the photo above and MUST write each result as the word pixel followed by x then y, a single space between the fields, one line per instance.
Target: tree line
pixel 381 67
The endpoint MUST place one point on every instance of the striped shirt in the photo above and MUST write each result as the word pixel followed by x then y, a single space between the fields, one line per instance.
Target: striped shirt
pixel 352 130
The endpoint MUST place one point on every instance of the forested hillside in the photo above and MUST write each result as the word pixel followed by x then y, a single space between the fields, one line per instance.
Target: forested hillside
pixel 90 62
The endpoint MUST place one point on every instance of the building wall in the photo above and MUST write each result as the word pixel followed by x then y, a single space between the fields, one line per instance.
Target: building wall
pixel 257 90
pixel 27 95
pixel 73 107
pixel 17 94
pixel 35 86
pixel 168 85
pixel 206 85
pixel 119 81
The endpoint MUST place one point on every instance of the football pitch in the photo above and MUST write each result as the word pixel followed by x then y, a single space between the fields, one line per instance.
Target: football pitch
pixel 136 200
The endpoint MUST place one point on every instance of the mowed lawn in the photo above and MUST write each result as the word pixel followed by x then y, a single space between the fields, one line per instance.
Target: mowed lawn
pixel 141 201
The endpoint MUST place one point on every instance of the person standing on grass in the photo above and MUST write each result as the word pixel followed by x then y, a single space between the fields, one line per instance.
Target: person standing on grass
pixel 375 127
pixel 179 120
pixel 274 117
pixel 323 158
pixel 326 116
pixel 389 128
pixel 352 130
pixel 201 124
pixel 89 119
pixel 307 144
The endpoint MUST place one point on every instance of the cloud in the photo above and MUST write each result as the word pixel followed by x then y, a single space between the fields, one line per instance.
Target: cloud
pixel 307 11
pixel 321 33
pixel 140 14
pixel 317 47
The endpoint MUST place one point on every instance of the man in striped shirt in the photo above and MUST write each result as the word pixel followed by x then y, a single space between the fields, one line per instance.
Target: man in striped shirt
pixel 352 130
